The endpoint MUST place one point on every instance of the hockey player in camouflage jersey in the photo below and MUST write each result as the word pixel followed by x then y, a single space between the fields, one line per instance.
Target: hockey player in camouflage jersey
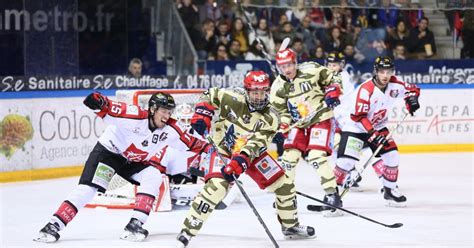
pixel 244 128
pixel 300 91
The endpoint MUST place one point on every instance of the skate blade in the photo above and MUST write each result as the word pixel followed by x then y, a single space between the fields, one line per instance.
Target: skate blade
pixel 394 204
pixel 331 214
pixel 134 237
pixel 294 236
pixel 356 189
pixel 179 244
pixel 45 238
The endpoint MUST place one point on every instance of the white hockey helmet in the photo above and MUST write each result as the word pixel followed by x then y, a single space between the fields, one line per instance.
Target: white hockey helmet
pixel 183 114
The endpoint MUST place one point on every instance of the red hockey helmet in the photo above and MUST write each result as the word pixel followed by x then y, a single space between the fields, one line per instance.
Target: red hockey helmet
pixel 285 56
pixel 256 80
pixel 257 87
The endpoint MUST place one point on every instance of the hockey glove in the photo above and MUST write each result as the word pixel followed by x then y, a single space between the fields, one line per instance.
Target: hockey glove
pixel 411 100
pixel 331 95
pixel 201 120
pixel 96 101
pixel 376 139
pixel 238 164
pixel 282 134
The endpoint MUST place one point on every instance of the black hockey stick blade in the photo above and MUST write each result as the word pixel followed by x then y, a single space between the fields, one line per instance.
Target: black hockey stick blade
pixel 396 225
pixel 316 208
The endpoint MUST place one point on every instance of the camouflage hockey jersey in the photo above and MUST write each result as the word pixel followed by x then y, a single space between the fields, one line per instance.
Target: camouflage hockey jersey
pixel 305 94
pixel 237 127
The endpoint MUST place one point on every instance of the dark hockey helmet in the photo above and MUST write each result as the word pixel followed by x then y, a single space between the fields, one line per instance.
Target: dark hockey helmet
pixel 336 57
pixel 160 99
pixel 257 81
pixel 383 62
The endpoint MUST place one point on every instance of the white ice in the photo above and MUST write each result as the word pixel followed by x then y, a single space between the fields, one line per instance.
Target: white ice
pixel 439 188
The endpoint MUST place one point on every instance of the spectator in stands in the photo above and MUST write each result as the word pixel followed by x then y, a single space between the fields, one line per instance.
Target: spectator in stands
pixel 452 14
pixel 264 34
pixel 299 10
pixel 306 32
pixel 319 54
pixel 135 68
pixel 286 30
pixel 387 16
pixel 271 14
pixel 250 12
pixel 468 31
pixel 349 53
pixel 421 40
pixel 336 41
pixel 239 32
pixel 189 14
pixel 318 19
pixel 255 51
pixel 378 49
pixel 413 14
pixel 204 41
pixel 223 34
pixel 353 36
pixel 210 10
pixel 399 52
pixel 220 53
pixel 299 49
pixel 399 35
pixel 235 52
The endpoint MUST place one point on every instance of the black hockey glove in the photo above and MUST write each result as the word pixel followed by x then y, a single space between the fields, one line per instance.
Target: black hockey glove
pixel 96 101
pixel 376 139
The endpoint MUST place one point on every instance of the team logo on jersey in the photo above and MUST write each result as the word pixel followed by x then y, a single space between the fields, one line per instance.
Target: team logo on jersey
pixel 229 137
pixel 292 88
pixel 379 116
pixel 394 93
pixel 231 116
pixel 259 124
pixel 133 154
pixel 306 86
pixel 163 136
pixel 246 119
pixel 145 143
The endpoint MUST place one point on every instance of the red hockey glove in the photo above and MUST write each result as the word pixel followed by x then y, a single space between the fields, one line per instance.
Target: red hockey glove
pixel 201 120
pixel 331 95
pixel 96 101
pixel 238 164
pixel 376 139
pixel 282 134
pixel 411 100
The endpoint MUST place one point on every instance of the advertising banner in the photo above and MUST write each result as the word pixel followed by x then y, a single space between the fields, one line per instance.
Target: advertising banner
pixel 46 133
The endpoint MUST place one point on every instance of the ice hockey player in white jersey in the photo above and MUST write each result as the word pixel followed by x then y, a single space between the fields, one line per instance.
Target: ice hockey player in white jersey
pixel 366 125
pixel 130 147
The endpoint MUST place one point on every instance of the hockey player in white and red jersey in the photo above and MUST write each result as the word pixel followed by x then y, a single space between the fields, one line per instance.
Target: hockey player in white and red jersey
pixel 366 125
pixel 130 147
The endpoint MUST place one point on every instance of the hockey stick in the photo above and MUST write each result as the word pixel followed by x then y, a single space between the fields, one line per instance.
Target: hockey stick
pixel 242 191
pixel 319 208
pixel 395 225
pixel 283 46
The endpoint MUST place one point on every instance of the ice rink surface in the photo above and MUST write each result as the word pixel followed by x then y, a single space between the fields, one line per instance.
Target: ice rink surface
pixel 439 188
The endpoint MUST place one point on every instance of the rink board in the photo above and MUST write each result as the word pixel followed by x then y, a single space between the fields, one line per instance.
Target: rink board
pixel 65 131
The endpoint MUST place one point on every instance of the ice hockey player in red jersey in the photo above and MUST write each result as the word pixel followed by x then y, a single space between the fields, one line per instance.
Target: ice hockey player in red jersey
pixel 365 124
pixel 130 147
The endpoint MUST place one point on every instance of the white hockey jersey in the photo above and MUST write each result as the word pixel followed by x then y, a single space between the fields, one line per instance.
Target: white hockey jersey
pixel 367 107
pixel 128 134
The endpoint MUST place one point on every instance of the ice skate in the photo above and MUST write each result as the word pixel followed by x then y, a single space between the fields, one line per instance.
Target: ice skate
pixel 134 231
pixel 299 232
pixel 394 198
pixel 333 199
pixel 183 239
pixel 48 234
